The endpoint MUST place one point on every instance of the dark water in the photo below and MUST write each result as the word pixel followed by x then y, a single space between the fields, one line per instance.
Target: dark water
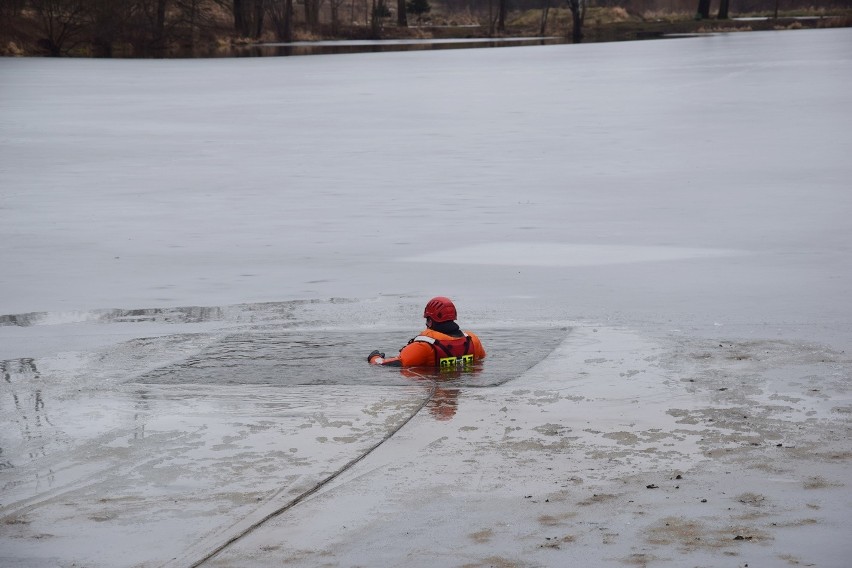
pixel 340 358
pixel 283 344
pixel 344 47
pixel 329 48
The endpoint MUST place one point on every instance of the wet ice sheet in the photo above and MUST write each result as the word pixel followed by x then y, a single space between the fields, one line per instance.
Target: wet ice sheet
pixel 618 450
pixel 160 469
pixel 191 438
pixel 545 463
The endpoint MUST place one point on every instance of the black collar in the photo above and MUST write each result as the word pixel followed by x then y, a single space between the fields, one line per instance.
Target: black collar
pixel 450 328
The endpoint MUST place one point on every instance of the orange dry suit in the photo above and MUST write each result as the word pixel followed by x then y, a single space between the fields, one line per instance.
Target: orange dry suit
pixel 433 348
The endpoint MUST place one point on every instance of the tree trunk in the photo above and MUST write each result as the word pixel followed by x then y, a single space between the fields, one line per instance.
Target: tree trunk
pixel 160 26
pixel 239 16
pixel 501 16
pixel 578 16
pixel 192 9
pixel 312 14
pixel 281 15
pixel 258 18
pixel 401 15
pixel 378 10
pixel 542 26
pixel 335 17
pixel 288 21
pixel 576 28
pixel 248 17
pixel 703 10
pixel 723 9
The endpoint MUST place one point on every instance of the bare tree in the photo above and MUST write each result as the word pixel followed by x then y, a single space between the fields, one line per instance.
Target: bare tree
pixel 147 22
pixel 239 12
pixel 160 25
pixel 503 7
pixel 248 17
pixel 192 16
pixel 379 12
pixel 281 15
pixel 545 11
pixel 312 13
pixel 108 23
pixel 401 14
pixel 62 22
pixel 703 10
pixel 723 9
pixel 578 16
pixel 258 18
pixel 334 6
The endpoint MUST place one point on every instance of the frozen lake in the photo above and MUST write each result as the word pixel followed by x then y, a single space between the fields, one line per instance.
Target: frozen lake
pixel 652 239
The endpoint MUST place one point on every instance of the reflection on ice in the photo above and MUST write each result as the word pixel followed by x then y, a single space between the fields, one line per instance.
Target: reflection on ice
pixel 145 459
pixel 25 423
pixel 443 404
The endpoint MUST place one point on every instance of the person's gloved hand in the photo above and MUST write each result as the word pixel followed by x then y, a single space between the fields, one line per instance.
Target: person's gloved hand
pixel 374 353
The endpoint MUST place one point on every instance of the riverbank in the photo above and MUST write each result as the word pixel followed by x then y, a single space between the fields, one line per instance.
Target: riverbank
pixel 23 36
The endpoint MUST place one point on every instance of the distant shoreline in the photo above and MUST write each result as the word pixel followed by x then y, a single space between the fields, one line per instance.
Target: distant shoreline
pixel 22 37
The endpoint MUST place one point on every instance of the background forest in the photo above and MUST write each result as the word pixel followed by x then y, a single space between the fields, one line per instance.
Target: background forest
pixel 107 28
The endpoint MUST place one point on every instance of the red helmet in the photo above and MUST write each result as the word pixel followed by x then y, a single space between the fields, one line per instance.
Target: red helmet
pixel 440 309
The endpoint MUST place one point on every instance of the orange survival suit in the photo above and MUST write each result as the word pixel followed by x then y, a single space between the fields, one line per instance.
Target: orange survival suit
pixel 435 349
pixel 442 344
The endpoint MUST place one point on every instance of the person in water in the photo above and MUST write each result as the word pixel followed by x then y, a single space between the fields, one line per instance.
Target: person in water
pixel 442 344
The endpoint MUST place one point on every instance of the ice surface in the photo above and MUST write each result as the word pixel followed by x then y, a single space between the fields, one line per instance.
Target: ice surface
pixel 140 184
pixel 652 238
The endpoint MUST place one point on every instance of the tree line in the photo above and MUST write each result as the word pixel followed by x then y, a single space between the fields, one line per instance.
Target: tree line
pixel 146 26
pixel 150 25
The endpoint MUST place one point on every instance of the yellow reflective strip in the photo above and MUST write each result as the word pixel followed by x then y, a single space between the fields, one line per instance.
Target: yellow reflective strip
pixel 463 361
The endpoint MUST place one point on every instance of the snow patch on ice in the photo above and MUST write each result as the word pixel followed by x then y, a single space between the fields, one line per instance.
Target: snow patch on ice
pixel 565 254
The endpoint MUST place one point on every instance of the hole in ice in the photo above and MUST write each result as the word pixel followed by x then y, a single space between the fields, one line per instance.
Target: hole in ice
pixel 320 357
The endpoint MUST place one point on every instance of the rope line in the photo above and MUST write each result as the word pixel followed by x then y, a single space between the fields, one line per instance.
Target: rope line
pixel 319 485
